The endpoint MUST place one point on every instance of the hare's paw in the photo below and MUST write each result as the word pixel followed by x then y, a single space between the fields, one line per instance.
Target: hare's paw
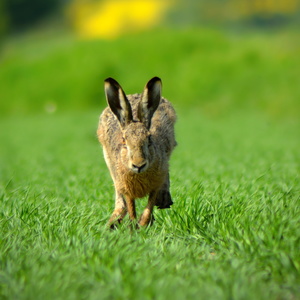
pixel 163 199
pixel 113 225
pixel 116 218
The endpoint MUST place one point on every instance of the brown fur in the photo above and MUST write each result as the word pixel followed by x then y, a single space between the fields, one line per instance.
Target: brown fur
pixel 137 135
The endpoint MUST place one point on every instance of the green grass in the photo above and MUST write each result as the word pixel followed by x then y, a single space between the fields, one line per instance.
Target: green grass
pixel 211 70
pixel 233 231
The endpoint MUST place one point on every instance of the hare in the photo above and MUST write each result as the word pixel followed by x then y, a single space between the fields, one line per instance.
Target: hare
pixel 137 135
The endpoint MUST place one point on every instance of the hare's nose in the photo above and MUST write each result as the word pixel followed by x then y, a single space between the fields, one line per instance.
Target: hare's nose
pixel 139 168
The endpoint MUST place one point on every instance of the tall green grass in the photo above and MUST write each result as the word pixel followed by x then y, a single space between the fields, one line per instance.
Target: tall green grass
pixel 232 233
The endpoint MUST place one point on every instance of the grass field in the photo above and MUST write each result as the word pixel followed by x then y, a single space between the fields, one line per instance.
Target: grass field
pixel 234 229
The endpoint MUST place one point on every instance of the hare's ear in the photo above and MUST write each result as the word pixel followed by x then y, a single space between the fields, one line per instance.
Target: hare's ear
pixel 118 101
pixel 150 101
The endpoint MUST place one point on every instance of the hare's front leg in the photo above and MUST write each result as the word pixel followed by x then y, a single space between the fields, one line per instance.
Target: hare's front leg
pixel 147 217
pixel 119 211
pixel 130 203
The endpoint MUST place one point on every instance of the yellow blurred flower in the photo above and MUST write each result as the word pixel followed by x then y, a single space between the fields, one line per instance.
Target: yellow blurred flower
pixel 110 18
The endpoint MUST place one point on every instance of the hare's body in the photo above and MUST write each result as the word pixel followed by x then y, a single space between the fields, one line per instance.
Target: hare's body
pixel 137 135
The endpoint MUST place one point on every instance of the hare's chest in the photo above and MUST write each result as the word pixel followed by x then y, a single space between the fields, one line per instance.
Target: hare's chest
pixel 140 185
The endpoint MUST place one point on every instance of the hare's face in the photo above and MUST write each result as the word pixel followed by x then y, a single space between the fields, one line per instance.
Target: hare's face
pixel 136 151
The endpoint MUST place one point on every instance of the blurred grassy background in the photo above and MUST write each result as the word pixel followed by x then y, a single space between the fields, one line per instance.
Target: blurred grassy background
pixel 231 68
pixel 218 56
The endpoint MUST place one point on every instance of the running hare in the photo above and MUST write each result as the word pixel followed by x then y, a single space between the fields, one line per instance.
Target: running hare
pixel 137 135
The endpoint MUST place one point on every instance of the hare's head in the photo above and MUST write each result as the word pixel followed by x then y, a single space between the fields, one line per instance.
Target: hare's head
pixel 137 149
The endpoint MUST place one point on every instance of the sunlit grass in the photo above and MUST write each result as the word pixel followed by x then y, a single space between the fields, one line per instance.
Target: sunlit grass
pixel 233 231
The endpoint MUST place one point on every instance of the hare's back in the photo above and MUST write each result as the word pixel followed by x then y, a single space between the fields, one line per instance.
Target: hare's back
pixel 165 112
pixel 162 126
pixel 109 132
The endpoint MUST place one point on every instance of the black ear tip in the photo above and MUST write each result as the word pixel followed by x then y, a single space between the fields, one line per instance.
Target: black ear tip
pixel 111 81
pixel 153 81
pixel 108 79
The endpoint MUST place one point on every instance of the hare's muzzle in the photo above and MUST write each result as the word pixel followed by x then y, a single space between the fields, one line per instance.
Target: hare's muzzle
pixel 139 168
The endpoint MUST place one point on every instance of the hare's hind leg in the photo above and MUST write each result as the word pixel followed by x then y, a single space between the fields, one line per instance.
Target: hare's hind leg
pixel 119 211
pixel 163 198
